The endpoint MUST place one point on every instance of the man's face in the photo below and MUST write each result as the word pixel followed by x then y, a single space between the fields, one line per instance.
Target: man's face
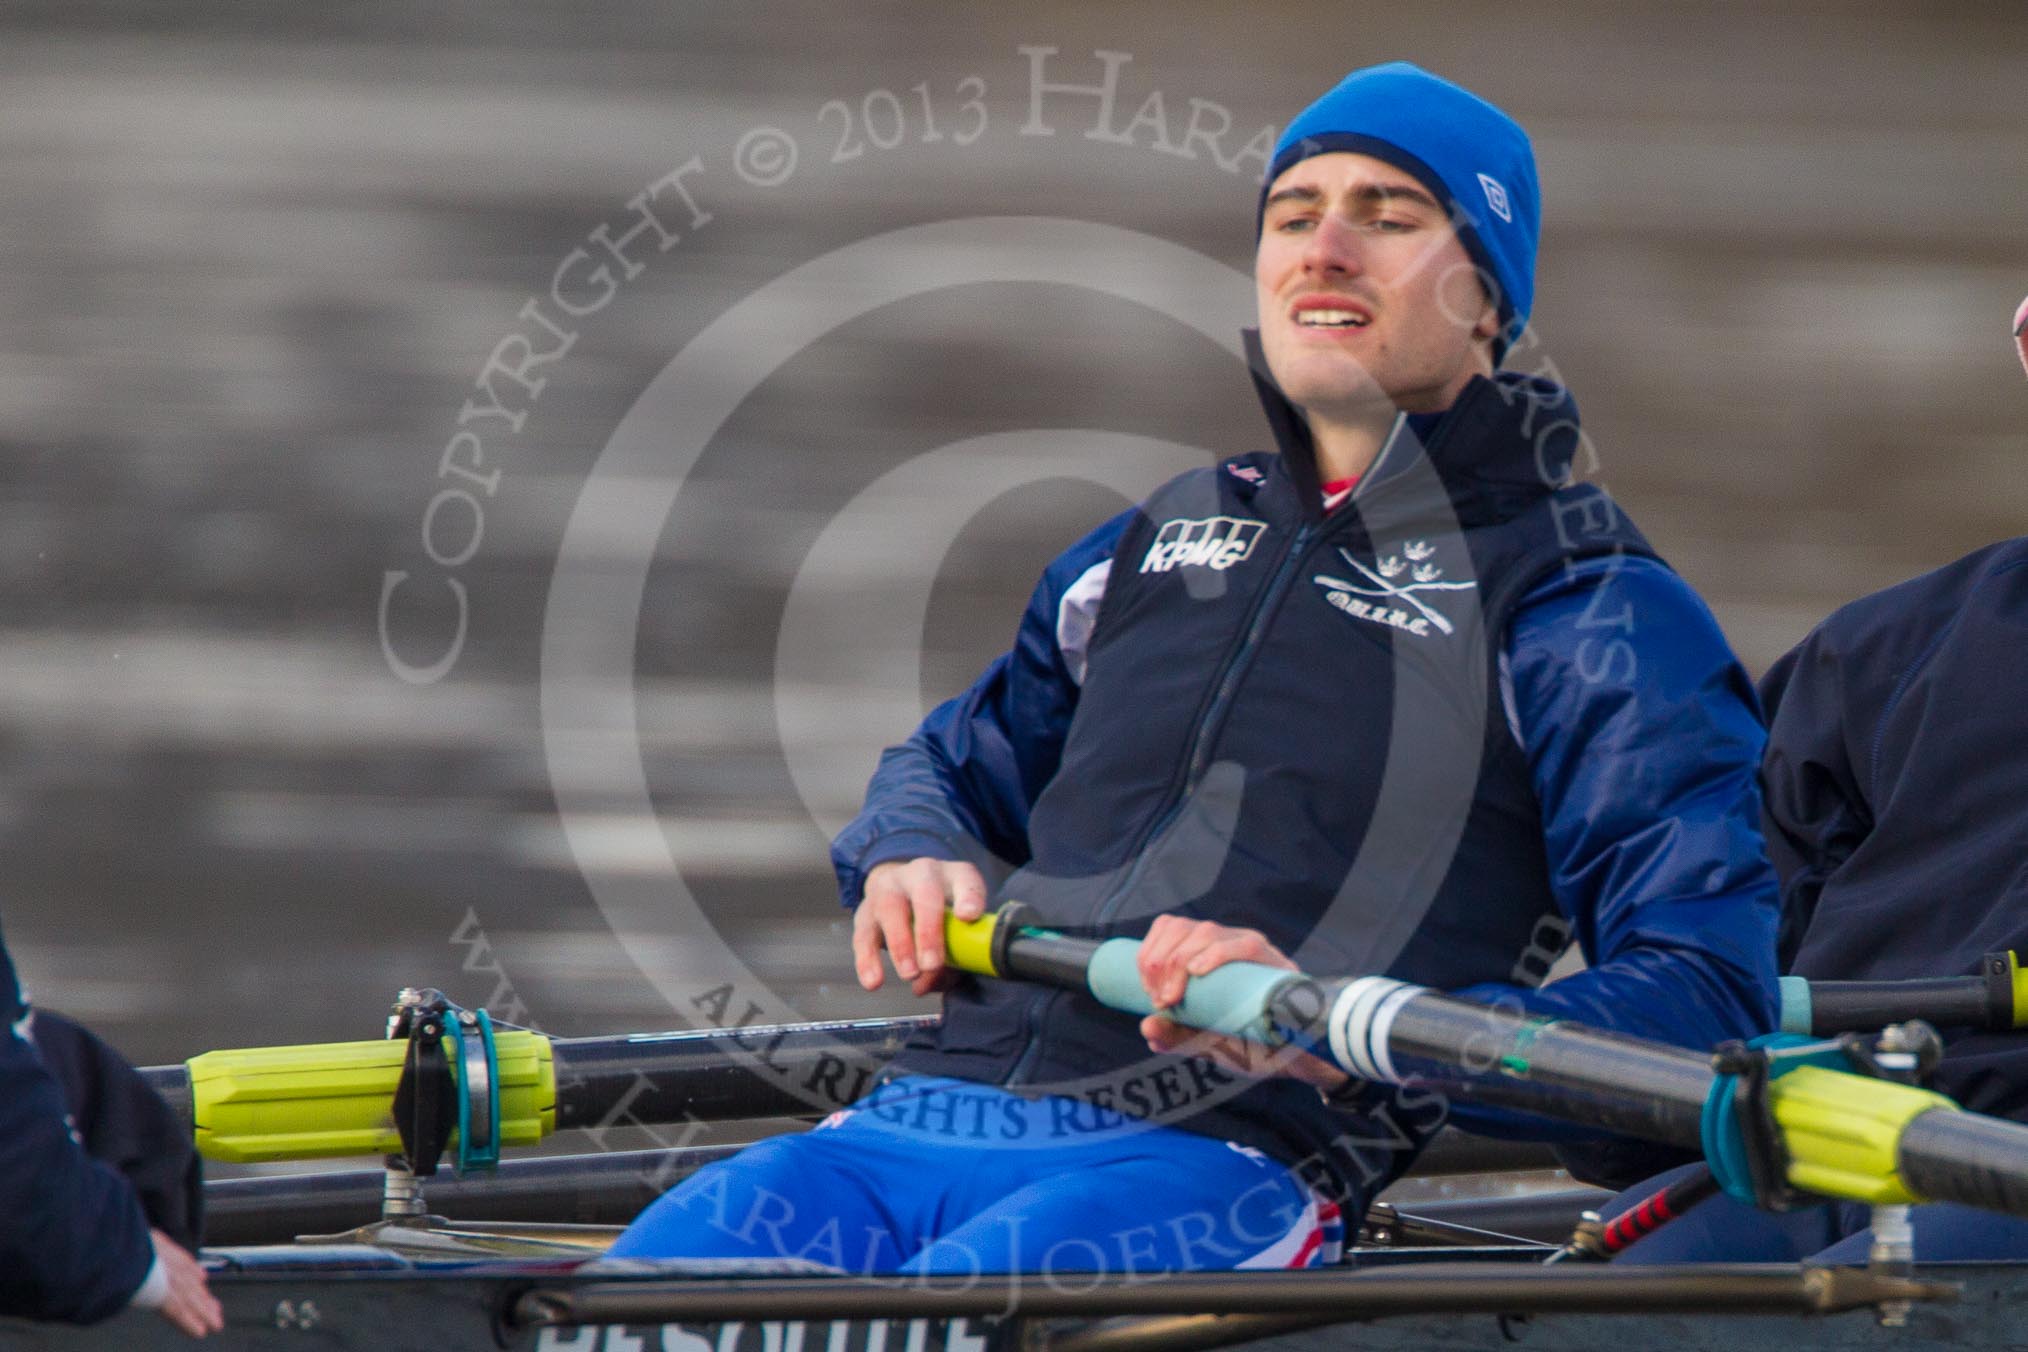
pixel 1365 293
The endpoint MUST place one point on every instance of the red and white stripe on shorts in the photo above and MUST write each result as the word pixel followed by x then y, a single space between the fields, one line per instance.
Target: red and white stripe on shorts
pixel 1317 1239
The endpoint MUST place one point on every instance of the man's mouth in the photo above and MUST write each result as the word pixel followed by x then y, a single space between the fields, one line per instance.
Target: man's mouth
pixel 1331 319
pixel 1329 312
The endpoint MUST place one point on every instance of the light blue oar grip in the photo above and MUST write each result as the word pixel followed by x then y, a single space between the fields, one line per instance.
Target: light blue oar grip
pixel 1795 992
pixel 1230 999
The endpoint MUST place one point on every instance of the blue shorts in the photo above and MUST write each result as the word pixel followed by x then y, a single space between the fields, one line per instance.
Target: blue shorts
pixel 931 1175
pixel 1721 1230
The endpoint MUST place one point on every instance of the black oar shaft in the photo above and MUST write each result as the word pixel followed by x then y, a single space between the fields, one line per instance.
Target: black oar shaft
pixel 714 1075
pixel 1499 1057
pixel 602 1189
pixel 1811 1127
pixel 792 1070
pixel 1967 1158
pixel 1052 959
pixel 1842 1134
pixel 1862 1006
pixel 1995 1000
pixel 173 1084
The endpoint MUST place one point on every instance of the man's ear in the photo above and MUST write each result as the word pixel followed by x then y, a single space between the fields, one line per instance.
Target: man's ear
pixel 1486 328
pixel 1486 333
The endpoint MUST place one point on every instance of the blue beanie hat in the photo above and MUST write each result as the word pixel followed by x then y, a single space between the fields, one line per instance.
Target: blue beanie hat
pixel 1469 154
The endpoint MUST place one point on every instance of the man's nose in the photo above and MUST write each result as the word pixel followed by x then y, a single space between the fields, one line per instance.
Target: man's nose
pixel 1333 248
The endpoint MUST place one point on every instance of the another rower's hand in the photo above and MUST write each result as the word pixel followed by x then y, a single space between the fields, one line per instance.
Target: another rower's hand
pixel 1176 950
pixel 189 1305
pixel 902 911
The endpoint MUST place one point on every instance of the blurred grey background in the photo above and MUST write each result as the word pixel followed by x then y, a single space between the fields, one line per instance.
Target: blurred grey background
pixel 256 257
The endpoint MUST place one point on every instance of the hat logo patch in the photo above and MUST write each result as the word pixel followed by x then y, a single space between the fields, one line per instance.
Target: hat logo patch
pixel 1496 197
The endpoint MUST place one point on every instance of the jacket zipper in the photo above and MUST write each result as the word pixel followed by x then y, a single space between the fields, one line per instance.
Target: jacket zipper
pixel 1189 771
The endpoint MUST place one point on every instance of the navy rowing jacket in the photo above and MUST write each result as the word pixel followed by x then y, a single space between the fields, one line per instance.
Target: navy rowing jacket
pixel 1433 735
pixel 73 1242
pixel 1897 796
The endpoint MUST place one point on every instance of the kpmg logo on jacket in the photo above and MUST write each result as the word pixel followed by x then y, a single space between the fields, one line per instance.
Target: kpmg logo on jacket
pixel 1215 542
pixel 1392 589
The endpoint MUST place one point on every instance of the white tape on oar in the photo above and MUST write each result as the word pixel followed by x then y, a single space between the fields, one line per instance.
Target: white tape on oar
pixel 1352 1024
pixel 1382 1029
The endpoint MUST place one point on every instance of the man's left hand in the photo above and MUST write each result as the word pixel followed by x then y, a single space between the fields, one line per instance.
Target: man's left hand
pixel 1176 950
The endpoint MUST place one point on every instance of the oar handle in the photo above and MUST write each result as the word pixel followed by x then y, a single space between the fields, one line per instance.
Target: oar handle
pixel 1996 1000
pixel 1237 998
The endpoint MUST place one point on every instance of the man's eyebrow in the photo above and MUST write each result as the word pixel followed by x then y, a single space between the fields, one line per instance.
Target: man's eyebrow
pixel 1294 193
pixel 1368 194
pixel 1397 192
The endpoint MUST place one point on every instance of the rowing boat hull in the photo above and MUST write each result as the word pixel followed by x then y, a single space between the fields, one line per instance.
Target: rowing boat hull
pixel 449 1311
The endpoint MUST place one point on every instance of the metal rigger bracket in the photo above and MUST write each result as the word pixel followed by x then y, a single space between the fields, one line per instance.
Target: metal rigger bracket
pixel 1746 1158
pixel 450 1082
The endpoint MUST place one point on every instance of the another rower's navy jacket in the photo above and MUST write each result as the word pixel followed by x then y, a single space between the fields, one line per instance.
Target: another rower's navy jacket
pixel 1897 796
pixel 1433 735
pixel 73 1242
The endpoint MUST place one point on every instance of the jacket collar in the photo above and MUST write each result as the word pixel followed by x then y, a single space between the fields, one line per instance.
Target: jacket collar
pixel 1507 441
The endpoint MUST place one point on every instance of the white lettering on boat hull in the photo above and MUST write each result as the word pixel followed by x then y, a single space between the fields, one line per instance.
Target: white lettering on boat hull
pixel 795 1335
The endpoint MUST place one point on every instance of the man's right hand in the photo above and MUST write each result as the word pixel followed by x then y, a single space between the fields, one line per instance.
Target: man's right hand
pixel 190 1306
pixel 902 911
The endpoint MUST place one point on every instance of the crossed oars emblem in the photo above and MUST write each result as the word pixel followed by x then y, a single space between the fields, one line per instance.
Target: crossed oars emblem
pixel 1423 576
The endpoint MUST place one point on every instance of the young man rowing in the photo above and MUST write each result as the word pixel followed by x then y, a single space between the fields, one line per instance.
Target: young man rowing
pixel 1397 699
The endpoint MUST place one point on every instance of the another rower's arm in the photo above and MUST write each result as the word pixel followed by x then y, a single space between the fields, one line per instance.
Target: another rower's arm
pixel 1815 812
pixel 1644 739
pixel 73 1242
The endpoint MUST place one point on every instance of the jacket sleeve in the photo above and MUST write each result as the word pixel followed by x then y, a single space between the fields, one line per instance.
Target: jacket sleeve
pixel 125 1124
pixel 1643 740
pixel 1815 814
pixel 962 785
pixel 73 1242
